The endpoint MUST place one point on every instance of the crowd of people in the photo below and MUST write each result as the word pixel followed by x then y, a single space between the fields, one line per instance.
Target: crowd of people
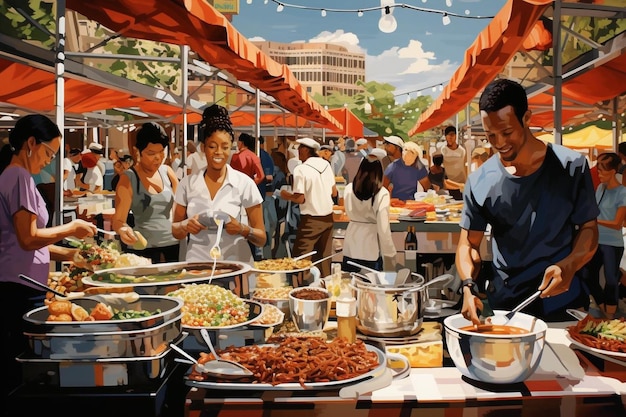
pixel 553 228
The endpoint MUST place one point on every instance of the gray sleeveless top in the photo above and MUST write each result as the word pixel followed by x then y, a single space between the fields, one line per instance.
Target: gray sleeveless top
pixel 153 212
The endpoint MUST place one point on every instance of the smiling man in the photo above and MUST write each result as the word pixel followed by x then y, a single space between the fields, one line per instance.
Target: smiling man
pixel 539 200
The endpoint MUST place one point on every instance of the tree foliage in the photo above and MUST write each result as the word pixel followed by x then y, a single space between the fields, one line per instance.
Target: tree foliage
pixel 388 116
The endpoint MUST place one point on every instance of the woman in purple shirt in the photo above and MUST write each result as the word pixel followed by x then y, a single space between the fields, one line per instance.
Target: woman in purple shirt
pixel 26 244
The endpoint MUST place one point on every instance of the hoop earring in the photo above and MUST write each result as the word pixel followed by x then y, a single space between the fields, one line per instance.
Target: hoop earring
pixel 29 153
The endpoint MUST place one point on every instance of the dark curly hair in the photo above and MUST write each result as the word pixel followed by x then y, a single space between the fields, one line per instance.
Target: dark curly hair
pixel 151 133
pixel 248 140
pixel 215 118
pixel 501 93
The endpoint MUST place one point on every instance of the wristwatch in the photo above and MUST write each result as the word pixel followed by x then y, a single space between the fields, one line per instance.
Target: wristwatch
pixel 468 282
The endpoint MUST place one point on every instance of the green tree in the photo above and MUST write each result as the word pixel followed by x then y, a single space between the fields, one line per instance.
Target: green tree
pixel 379 109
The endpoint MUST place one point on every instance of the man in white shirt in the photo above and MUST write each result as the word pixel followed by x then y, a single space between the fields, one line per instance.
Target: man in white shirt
pixel 313 189
pixel 454 157
pixel 70 166
pixel 197 160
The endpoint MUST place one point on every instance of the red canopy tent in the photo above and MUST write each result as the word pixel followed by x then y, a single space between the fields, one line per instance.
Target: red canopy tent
pixel 352 125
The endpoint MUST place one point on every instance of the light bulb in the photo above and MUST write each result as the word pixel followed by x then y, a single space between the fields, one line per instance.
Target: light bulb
pixel 440 87
pixel 449 3
pixel 280 8
pixel 249 1
pixel 367 108
pixel 387 23
pixel 446 19
pixel 266 1
pixel 360 13
pixel 323 12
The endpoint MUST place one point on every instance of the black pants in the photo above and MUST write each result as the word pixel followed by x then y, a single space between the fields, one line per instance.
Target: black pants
pixel 158 255
pixel 16 300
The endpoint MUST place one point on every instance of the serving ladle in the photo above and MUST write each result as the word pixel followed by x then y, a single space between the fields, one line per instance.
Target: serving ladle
pixel 222 368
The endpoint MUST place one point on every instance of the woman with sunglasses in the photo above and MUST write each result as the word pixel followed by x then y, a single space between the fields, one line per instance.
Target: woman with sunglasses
pixel 26 245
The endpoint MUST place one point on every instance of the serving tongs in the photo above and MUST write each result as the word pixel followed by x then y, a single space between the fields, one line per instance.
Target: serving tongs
pixel 118 301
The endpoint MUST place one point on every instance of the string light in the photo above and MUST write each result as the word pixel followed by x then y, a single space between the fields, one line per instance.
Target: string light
pixel 385 5
pixel 434 87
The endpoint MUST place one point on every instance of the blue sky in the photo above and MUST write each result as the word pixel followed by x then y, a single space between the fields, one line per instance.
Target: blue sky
pixel 420 53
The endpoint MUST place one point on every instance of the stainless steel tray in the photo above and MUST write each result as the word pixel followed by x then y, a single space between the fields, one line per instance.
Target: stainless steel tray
pixel 170 307
pixel 124 344
pixel 101 372
pixel 165 277
pixel 292 386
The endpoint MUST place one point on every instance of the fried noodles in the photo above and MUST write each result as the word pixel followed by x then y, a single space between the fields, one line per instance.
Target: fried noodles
pixel 300 361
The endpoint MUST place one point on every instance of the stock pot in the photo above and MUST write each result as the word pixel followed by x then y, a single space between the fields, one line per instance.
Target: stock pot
pixel 391 310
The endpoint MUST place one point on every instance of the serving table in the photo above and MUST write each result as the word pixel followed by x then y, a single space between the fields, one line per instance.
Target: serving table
pixel 555 389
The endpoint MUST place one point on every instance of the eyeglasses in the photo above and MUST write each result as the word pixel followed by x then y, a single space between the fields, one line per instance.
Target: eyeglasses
pixel 52 154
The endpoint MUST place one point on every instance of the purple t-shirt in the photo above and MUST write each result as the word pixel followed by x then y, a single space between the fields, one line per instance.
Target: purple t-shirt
pixel 18 191
pixel 404 178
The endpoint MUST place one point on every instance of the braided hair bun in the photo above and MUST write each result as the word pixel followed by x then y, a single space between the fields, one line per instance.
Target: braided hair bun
pixel 215 118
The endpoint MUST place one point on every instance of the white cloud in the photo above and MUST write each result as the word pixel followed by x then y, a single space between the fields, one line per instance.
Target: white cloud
pixel 413 67
pixel 348 40
pixel 257 39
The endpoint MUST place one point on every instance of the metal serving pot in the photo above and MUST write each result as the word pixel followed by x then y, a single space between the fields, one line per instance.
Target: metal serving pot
pixel 391 310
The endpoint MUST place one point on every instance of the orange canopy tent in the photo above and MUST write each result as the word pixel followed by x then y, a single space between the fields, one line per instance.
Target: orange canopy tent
pixel 484 59
pixel 243 118
pixel 352 125
pixel 34 88
pixel 597 84
pixel 208 33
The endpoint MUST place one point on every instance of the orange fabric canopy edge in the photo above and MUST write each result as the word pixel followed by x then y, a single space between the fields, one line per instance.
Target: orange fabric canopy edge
pixel 208 33
pixel 242 118
pixel 484 59
pixel 35 89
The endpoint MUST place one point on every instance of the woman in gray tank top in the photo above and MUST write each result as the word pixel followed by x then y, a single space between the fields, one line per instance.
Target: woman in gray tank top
pixel 148 190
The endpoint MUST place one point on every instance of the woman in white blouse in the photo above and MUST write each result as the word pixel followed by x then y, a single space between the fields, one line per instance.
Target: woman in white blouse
pixel 367 205
pixel 218 188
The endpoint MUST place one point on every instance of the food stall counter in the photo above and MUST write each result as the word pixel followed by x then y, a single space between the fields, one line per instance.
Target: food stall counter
pixel 572 384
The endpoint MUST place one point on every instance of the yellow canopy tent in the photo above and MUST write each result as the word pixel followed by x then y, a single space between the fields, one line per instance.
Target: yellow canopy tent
pixel 589 137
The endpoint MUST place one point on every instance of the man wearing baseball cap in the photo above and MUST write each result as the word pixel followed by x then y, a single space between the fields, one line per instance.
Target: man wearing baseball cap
pixel 393 145
pixel 402 175
pixel 313 189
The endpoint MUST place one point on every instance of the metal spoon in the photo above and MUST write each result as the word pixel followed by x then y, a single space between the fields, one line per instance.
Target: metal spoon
pixel 297 258
pixel 221 367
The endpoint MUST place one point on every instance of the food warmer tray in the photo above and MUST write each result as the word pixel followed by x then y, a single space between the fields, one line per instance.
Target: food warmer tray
pixel 145 337
pixel 166 277
pixel 101 372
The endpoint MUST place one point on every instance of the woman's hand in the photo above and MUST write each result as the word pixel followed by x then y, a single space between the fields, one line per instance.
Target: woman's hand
pixel 82 229
pixel 127 235
pixel 192 225
pixel 234 227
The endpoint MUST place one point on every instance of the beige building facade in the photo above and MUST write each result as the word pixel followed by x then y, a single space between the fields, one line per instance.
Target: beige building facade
pixel 322 68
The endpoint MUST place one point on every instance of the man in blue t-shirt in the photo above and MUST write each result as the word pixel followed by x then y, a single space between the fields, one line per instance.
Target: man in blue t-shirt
pixel 539 200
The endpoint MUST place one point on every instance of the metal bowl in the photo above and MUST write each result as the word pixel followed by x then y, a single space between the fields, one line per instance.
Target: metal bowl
pixel 274 296
pixel 496 358
pixel 309 315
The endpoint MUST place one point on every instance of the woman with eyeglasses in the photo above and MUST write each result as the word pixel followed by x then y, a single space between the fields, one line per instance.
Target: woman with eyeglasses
pixel 147 188
pixel 26 245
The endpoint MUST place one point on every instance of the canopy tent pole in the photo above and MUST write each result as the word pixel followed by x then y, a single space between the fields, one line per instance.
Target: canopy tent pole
pixel 184 67
pixel 257 120
pixel 557 69
pixel 616 125
pixel 59 109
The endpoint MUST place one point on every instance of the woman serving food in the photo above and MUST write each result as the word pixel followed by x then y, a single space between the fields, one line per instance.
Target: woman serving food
pixel 218 188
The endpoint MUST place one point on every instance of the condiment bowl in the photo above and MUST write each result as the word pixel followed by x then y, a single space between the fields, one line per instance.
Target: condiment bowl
pixel 501 358
pixel 309 315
